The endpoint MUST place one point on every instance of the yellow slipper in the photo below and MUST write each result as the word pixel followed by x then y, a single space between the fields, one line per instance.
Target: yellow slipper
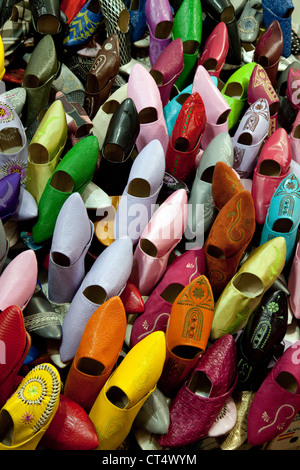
pixel 2 68
pixel 127 389
pixel 45 148
pixel 27 414
pixel 244 291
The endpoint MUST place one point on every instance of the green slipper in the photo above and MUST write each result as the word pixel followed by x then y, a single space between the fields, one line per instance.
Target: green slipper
pixel 72 174
pixel 187 26
pixel 235 92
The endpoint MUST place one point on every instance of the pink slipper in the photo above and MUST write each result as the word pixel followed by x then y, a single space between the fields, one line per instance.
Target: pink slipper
pixel 144 92
pixel 18 280
pixel 273 165
pixel 215 50
pixel 163 232
pixel 277 401
pixel 216 107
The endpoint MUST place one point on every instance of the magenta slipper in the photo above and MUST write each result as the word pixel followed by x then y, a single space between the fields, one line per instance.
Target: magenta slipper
pixel 199 401
pixel 277 401
pixel 179 274
pixel 168 68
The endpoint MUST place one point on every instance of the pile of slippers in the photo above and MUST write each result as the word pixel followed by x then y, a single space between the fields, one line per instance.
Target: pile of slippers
pixel 149 225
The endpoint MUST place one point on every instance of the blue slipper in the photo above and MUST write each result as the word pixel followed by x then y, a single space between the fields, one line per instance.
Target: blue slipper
pixel 283 215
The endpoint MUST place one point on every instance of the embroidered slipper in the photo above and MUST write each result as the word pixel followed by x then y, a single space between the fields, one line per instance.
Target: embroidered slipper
pixel 250 136
pixel 190 264
pixel 236 223
pixel 199 401
pixel 28 413
pixel 277 401
pixel 225 185
pixel 187 333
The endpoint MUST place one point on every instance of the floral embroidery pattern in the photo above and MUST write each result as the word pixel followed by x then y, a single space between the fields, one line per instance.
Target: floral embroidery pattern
pixel 198 293
pixel 6 113
pixel 14 166
pixel 273 307
pixel 27 418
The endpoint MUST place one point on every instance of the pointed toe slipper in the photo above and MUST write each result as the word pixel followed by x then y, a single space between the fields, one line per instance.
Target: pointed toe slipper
pixel 143 90
pixel 244 291
pixel 71 240
pixel 187 333
pixel 161 235
pixel 190 264
pixel 249 137
pixel 95 358
pixel 200 400
pixel 216 107
pixel 272 167
pixel 202 211
pixel 283 215
pixel 104 280
pixel 140 195
pixel 126 390
pixel 236 222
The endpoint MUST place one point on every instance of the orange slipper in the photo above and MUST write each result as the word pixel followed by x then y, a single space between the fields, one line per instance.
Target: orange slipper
pixel 225 184
pixel 98 351
pixel 229 236
pixel 187 333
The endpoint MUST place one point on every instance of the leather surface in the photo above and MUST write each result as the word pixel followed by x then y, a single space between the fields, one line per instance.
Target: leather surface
pixel 237 304
pixel 169 66
pixel 10 119
pixel 13 335
pixel 236 221
pixel 270 47
pixel 261 336
pixel 18 280
pixel 136 376
pixel 71 428
pixel 148 270
pixel 278 149
pixel 218 363
pixel 104 273
pixel 144 92
pixel 225 184
pixel 190 126
pixel 107 322
pixel 80 170
pixel 254 127
pixel 43 65
pixel 157 309
pixel 72 237
pixel 216 47
pixel 217 109
pixel 102 74
pixel 284 205
pixel 134 212
pixel 275 402
pixel 10 187
pixel 122 130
